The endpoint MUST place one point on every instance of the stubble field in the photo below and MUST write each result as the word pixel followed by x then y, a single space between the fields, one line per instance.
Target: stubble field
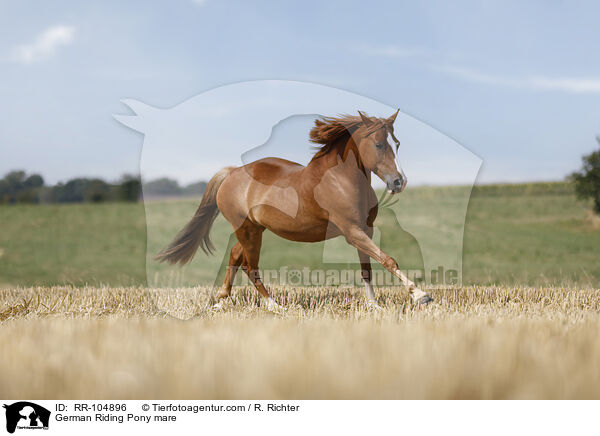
pixel 473 342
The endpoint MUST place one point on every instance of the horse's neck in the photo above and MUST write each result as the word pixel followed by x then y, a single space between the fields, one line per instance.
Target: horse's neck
pixel 343 157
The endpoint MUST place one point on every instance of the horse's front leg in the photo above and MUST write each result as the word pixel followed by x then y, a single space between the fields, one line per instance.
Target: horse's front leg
pixel 359 239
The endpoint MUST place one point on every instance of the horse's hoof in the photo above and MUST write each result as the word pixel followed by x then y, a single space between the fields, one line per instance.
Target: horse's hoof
pixel 271 305
pixel 424 300
pixel 371 305
pixel 218 306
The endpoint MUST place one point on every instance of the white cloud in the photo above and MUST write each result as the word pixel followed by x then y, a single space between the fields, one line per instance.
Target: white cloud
pixel 477 76
pixel 45 44
pixel 577 85
pixel 564 84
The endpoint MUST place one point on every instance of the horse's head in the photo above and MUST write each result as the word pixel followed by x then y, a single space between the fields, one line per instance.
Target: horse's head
pixel 376 154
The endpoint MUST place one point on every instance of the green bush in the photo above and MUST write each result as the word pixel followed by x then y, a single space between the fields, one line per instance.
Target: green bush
pixel 587 180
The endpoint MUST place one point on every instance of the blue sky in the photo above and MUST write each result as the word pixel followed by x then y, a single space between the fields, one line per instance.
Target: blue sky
pixel 516 83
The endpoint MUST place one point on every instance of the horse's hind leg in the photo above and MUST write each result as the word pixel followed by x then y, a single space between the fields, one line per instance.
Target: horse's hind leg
pixel 250 237
pixel 235 260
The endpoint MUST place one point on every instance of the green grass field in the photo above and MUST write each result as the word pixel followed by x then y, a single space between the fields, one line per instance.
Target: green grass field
pixel 526 234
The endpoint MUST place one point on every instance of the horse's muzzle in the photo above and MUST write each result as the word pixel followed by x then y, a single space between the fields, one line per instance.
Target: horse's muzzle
pixel 397 185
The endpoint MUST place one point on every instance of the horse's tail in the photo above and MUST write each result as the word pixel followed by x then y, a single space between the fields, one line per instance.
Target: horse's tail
pixel 196 233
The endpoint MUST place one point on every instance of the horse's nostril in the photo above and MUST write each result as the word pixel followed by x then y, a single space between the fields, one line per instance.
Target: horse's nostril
pixel 397 182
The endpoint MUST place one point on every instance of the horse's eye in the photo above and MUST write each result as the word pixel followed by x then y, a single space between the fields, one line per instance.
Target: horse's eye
pixel 380 145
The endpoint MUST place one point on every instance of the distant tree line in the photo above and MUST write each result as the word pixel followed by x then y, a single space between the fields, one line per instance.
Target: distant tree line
pixel 20 187
pixel 165 187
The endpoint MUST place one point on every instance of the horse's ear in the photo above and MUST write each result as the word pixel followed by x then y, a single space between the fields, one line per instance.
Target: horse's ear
pixel 365 119
pixel 391 119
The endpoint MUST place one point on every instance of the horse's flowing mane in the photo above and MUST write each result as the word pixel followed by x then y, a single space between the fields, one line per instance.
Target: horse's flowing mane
pixel 328 130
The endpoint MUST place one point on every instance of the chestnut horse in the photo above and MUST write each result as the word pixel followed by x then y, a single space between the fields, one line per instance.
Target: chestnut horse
pixel 331 196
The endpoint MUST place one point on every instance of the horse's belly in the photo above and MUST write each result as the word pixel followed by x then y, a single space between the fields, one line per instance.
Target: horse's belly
pixel 299 228
pixel 315 234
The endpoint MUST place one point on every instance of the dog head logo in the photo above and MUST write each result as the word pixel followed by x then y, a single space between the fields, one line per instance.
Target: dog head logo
pixel 26 415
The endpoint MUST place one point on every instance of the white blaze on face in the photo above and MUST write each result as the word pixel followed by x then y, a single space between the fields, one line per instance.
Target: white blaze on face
pixel 405 180
pixel 400 170
pixel 396 160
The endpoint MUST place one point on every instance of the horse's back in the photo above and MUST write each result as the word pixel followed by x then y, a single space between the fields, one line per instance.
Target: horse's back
pixel 271 170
